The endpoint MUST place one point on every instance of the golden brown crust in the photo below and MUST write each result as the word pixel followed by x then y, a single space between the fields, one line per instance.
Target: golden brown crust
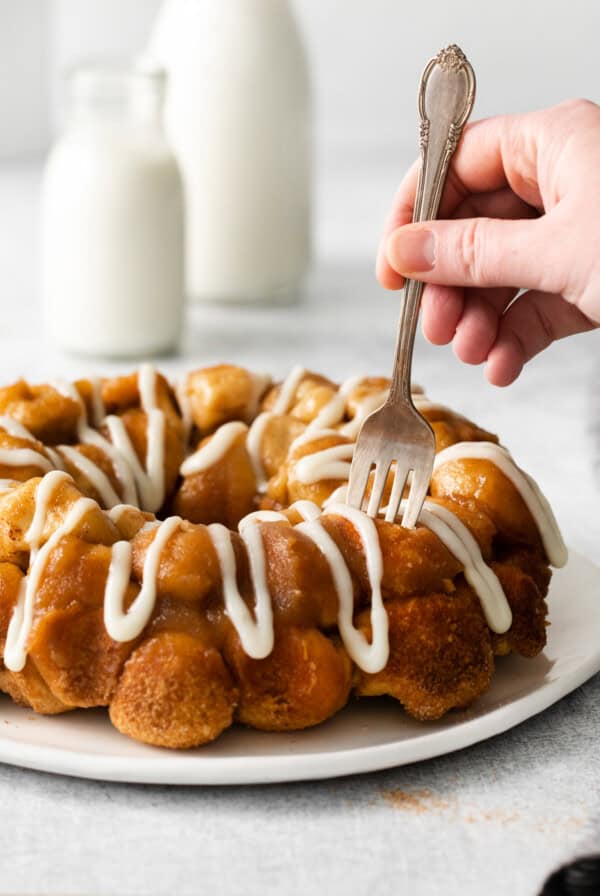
pixel 70 646
pixel 50 416
pixel 299 579
pixel 22 472
pixel 98 457
pixel 480 485
pixel 224 493
pixel 222 393
pixel 527 634
pixel 174 692
pixel 304 680
pixel 440 654
pixel 311 395
pixel 450 427
pixel 296 489
pixel 186 678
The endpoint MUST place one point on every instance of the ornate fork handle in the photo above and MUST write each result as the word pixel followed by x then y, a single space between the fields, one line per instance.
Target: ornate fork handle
pixel 446 96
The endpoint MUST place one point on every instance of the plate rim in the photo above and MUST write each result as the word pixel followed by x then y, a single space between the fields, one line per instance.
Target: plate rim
pixel 172 768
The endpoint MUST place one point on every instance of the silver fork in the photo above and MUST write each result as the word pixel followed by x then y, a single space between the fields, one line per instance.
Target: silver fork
pixel 396 433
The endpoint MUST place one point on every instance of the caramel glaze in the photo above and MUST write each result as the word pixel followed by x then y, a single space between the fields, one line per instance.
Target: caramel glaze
pixel 186 677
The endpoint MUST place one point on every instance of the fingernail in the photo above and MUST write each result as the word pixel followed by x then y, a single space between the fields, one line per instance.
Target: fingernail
pixel 411 251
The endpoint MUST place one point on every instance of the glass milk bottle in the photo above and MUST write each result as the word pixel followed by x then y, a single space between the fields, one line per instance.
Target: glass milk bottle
pixel 112 220
pixel 238 116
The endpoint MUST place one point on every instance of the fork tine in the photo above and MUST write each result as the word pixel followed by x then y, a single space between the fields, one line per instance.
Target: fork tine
pixel 357 483
pixel 379 480
pixel 416 496
pixel 397 491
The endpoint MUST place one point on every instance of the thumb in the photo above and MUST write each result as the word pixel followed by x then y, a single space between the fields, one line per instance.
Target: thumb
pixel 478 252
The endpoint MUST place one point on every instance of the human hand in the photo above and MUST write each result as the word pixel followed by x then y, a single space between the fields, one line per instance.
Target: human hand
pixel 521 210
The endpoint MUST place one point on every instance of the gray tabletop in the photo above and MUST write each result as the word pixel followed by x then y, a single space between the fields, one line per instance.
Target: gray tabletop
pixel 495 818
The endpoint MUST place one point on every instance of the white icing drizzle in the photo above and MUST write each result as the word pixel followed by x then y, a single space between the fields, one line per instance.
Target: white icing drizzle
pixel 350 384
pixel 14 428
pixel 145 487
pixel 311 436
pixel 260 382
pixel 185 405
pixel 89 436
pixel 93 473
pixel 329 414
pixel 150 481
pixel 257 637
pixel 142 486
pixel 43 495
pixel 152 485
pixel 253 445
pixel 369 657
pixel 422 403
pixel 121 625
pixel 330 463
pixel 147 387
pixel 7 485
pixel 287 390
pixel 69 390
pixel 528 489
pixel 365 407
pixel 150 491
pixel 24 457
pixel 369 404
pixel 375 657
pixel 332 413
pixel 115 513
pixel 257 634
pixel 461 544
pixel 19 629
pixel 337 497
pixel 214 450
pixel 16 457
pixel 125 625
pixel 55 458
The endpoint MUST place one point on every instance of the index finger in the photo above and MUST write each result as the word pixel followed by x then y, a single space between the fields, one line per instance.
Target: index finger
pixel 487 159
pixel 402 213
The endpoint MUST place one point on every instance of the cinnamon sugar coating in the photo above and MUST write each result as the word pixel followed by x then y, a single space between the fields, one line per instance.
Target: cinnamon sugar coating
pixel 186 677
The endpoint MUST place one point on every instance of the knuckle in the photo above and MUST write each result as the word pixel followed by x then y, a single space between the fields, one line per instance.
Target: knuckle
pixel 543 326
pixel 472 249
pixel 579 107
pixel 514 333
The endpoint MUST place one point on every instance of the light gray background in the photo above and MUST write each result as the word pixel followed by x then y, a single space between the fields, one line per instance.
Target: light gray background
pixel 366 57
pixel 496 818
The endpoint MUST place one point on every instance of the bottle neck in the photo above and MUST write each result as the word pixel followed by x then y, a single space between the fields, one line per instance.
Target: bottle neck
pixel 107 95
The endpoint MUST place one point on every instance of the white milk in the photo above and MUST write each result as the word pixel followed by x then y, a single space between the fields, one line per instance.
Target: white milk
pixel 238 116
pixel 112 221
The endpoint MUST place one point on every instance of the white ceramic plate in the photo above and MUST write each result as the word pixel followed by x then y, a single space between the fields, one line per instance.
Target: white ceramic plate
pixel 368 735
